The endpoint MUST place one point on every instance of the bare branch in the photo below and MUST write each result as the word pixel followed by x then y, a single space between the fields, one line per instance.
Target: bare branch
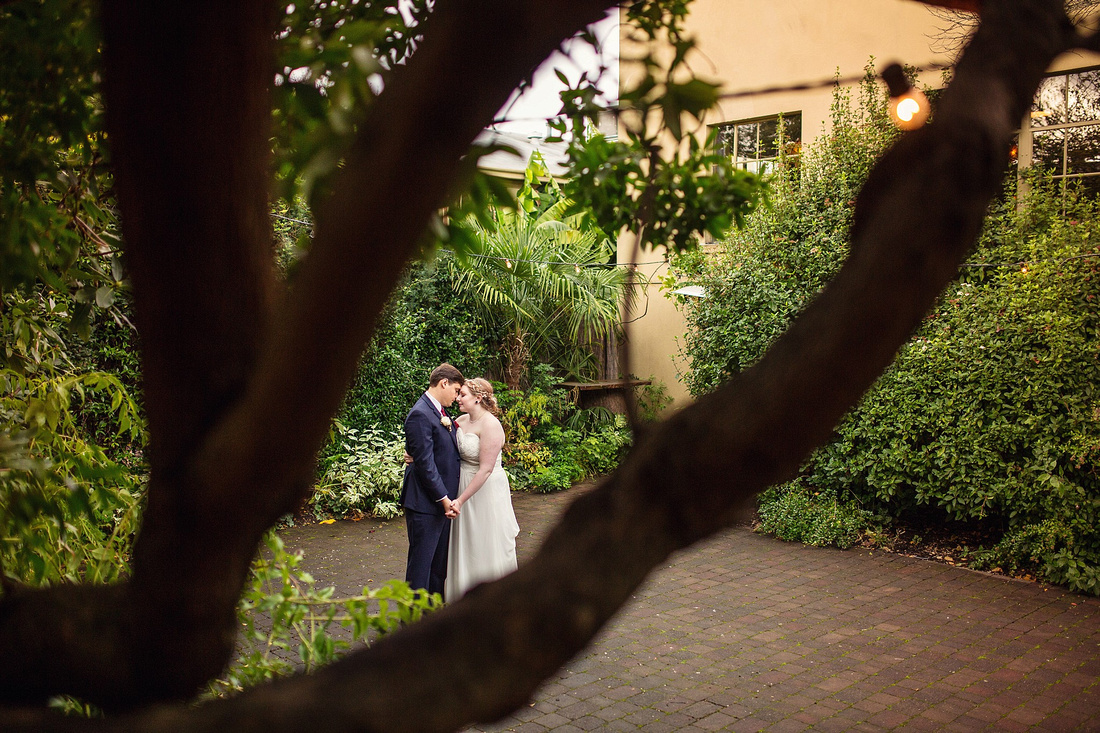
pixel 966 6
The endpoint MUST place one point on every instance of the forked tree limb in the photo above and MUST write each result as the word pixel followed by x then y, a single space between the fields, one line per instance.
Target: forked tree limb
pixel 687 477
pixel 241 382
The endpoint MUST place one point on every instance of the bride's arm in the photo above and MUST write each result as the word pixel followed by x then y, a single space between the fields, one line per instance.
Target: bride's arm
pixel 492 441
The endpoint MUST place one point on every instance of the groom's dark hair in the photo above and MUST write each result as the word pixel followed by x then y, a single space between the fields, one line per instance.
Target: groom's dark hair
pixel 445 371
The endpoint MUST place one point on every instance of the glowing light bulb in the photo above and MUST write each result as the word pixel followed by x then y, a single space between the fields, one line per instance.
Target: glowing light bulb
pixel 577 268
pixel 508 264
pixel 910 111
pixel 909 107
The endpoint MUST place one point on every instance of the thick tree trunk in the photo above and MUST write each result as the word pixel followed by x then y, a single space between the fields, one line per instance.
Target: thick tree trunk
pixel 247 452
pixel 241 382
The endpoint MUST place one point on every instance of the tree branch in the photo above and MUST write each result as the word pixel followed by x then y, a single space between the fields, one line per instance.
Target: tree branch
pixel 240 391
pixel 687 478
pixel 966 6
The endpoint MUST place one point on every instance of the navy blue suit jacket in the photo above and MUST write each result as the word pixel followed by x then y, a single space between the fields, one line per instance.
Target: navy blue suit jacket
pixel 434 471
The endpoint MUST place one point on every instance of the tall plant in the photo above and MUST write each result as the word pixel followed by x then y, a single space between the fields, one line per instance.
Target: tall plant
pixel 544 277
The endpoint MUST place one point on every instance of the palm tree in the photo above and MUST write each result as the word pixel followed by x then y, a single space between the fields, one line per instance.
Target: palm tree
pixel 547 280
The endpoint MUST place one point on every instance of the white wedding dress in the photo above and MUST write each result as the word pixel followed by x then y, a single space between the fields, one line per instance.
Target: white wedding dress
pixel 483 536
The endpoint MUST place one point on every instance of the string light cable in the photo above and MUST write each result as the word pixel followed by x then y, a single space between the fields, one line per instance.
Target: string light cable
pixel 826 83
pixel 290 218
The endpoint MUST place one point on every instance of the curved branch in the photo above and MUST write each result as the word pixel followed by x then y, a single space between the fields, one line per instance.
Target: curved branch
pixel 687 477
pixel 240 389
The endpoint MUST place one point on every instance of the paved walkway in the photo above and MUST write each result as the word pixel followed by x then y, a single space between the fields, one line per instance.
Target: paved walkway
pixel 746 633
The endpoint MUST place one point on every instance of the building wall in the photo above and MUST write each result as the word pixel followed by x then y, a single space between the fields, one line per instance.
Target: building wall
pixel 749 45
pixel 652 324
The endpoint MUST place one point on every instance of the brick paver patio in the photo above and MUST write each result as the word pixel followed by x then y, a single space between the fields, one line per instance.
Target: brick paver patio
pixel 746 633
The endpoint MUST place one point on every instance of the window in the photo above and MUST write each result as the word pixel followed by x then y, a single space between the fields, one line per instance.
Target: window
pixel 1062 133
pixel 755 144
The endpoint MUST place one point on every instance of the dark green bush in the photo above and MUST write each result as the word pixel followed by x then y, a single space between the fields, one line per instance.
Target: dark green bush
pixel 423 326
pixel 551 444
pixel 797 513
pixel 991 410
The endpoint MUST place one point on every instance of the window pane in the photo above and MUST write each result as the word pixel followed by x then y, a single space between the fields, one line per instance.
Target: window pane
pixel 792 130
pixel 1047 150
pixel 1083 145
pixel 746 141
pixel 750 143
pixel 769 132
pixel 1084 96
pixel 725 139
pixel 1049 107
pixel 1085 185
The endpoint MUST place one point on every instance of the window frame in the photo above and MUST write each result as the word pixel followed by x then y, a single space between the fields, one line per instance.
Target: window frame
pixel 1025 153
pixel 758 164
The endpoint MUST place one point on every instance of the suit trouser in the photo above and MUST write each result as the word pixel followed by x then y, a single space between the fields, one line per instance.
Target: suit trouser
pixel 429 536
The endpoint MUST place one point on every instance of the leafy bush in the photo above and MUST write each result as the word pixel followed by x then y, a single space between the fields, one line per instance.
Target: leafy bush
pixel 767 271
pixel 797 514
pixel 67 511
pixel 602 448
pixel 363 477
pixel 991 410
pixel 423 326
pixel 288 623
pixel 550 444
pixel 653 399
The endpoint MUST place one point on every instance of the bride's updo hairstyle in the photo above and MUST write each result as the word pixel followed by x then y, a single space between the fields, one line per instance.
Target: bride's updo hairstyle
pixel 482 391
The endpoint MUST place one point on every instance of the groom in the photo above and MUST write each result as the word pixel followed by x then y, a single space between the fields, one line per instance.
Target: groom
pixel 431 480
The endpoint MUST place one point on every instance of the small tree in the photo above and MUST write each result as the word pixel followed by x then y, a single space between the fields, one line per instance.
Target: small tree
pixel 545 277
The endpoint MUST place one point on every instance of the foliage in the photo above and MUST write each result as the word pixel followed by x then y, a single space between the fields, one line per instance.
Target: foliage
pixel 550 444
pixel 991 410
pixel 798 514
pixel 544 277
pixel 424 325
pixel 332 58
pixel 362 476
pixel 112 348
pixel 67 511
pixel 55 203
pixel 770 269
pixel 653 400
pixel 289 624
pixel 993 404
pixel 628 183
pixel 1045 547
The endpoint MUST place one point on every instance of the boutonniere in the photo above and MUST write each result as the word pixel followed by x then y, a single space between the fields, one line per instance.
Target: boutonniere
pixel 445 421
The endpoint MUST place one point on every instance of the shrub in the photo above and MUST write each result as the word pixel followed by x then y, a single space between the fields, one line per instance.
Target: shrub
pixel 423 326
pixel 550 444
pixel 798 514
pixel 363 476
pixel 653 399
pixel 284 616
pixel 991 410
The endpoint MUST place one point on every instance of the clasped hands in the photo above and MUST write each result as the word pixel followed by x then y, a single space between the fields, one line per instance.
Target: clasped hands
pixel 450 508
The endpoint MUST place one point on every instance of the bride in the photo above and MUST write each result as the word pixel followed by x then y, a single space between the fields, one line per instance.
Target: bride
pixel 483 535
